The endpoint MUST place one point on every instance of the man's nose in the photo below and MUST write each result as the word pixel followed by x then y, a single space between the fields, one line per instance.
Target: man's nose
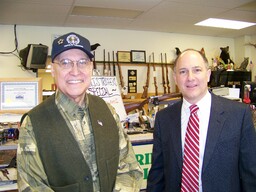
pixel 75 69
pixel 190 75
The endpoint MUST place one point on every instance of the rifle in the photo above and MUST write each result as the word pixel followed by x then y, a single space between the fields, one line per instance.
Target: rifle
pixel 154 74
pixel 145 87
pixel 104 64
pixel 95 70
pixel 139 105
pixel 114 65
pixel 120 77
pixel 163 75
pixel 94 62
pixel 109 68
pixel 167 79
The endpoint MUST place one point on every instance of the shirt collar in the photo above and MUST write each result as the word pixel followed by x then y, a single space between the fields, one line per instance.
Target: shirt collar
pixel 205 101
pixel 68 105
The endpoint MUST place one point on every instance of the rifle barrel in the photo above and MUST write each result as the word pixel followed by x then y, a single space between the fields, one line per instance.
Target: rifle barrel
pixel 120 73
pixel 114 65
pixel 109 68
pixel 104 63
pixel 94 61
pixel 163 75
pixel 145 87
pixel 167 79
pixel 154 74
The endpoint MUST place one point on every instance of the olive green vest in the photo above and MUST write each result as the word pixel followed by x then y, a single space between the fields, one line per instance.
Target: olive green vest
pixel 64 164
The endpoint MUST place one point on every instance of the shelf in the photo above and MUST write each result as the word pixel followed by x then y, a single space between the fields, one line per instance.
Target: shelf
pixel 10 117
pixel 9 145
pixel 132 63
pixel 9 188
pixel 48 93
pixel 141 137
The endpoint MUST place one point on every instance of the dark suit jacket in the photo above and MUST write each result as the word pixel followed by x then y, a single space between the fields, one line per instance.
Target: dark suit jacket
pixel 230 153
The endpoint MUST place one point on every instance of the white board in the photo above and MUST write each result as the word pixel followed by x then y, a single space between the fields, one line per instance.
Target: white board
pixel 107 88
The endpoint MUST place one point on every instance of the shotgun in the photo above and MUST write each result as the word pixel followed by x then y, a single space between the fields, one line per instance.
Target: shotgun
pixel 154 74
pixel 163 74
pixel 167 74
pixel 145 87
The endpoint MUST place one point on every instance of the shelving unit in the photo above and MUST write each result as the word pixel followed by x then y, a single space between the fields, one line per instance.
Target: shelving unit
pixel 10 186
pixel 10 145
pixel 8 151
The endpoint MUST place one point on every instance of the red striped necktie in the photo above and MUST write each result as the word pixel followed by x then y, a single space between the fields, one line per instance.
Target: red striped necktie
pixel 190 169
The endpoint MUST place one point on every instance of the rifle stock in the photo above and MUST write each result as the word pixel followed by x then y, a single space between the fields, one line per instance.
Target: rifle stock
pixel 139 105
pixel 167 79
pixel 135 105
pixel 145 87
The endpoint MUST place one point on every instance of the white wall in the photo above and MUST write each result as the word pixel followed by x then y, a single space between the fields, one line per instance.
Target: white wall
pixel 111 40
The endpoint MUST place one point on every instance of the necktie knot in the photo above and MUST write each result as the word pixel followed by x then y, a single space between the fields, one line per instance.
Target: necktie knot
pixel 193 108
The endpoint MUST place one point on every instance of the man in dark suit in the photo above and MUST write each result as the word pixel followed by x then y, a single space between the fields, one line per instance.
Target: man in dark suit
pixel 227 138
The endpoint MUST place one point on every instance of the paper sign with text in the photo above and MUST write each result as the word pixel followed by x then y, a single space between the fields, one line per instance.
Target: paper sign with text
pixel 107 88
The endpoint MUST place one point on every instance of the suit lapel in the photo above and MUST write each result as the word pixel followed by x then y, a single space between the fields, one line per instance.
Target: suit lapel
pixel 176 133
pixel 216 122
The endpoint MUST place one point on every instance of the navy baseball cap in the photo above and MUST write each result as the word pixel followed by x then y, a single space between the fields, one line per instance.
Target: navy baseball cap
pixel 70 41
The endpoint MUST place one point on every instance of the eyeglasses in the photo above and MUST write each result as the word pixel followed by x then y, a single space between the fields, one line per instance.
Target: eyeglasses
pixel 68 64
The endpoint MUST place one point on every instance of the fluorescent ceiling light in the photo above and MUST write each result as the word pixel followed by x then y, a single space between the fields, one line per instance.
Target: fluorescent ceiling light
pixel 224 23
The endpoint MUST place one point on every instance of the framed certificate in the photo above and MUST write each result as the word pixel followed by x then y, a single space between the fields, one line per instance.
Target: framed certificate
pixel 124 56
pixel 19 95
pixel 138 56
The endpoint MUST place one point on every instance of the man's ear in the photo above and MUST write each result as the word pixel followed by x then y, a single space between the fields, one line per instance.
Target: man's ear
pixel 174 77
pixel 209 74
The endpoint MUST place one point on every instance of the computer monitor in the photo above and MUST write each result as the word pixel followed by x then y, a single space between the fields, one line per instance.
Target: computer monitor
pixel 34 56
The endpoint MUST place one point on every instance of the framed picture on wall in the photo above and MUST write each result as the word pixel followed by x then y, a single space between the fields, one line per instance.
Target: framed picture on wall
pixel 19 95
pixel 138 56
pixel 124 56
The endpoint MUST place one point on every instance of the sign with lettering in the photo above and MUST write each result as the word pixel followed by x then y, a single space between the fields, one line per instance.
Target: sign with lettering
pixel 143 153
pixel 107 88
